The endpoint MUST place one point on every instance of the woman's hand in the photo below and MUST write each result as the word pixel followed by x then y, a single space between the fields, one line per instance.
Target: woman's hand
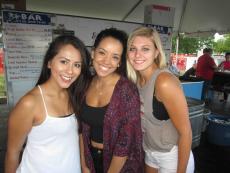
pixel 85 169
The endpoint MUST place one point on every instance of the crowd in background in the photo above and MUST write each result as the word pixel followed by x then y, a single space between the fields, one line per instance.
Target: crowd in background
pixel 203 70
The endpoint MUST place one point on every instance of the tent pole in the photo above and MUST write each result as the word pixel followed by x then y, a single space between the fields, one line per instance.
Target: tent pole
pixel 131 10
pixel 185 2
pixel 177 46
pixel 182 15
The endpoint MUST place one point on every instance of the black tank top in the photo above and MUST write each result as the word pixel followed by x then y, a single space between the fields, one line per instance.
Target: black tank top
pixel 94 117
pixel 159 110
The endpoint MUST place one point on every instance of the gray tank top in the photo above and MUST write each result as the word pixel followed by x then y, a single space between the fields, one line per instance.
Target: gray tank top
pixel 158 135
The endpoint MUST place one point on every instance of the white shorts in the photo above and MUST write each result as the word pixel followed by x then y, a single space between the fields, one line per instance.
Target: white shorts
pixel 166 162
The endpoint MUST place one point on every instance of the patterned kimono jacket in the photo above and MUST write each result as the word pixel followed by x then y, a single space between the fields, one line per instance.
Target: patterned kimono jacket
pixel 122 135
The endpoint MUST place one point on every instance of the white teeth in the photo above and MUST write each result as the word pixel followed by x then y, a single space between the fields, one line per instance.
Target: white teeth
pixel 66 78
pixel 104 68
pixel 139 61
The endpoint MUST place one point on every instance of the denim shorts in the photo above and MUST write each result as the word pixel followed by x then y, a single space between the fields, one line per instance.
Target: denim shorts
pixel 166 162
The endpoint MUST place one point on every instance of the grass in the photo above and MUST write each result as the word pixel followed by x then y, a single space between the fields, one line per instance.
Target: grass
pixel 2 86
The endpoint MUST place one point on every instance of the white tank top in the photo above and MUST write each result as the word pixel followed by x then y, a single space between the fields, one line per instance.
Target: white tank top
pixel 52 146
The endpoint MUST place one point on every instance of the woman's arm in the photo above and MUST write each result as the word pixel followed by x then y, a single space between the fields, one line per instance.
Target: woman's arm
pixel 116 164
pixel 130 128
pixel 168 90
pixel 221 66
pixel 19 125
pixel 84 168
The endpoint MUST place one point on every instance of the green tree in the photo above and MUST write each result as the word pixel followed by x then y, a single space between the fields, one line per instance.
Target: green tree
pixel 222 45
pixel 191 45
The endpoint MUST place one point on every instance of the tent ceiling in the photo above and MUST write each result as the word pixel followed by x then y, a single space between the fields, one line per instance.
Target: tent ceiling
pixel 197 17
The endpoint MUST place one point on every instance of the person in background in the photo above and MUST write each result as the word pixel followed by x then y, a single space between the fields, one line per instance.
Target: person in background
pixel 45 117
pixel 110 117
pixel 225 66
pixel 167 135
pixel 194 64
pixel 172 68
pixel 190 73
pixel 205 70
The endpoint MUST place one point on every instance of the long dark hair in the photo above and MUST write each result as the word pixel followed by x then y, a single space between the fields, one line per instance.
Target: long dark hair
pixel 122 37
pixel 78 87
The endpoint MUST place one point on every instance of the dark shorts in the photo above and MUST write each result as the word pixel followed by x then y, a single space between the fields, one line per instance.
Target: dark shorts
pixel 97 155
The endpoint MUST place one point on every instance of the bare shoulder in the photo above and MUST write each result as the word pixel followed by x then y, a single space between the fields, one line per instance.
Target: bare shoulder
pixel 27 103
pixel 30 99
pixel 165 80
pixel 22 118
pixel 167 84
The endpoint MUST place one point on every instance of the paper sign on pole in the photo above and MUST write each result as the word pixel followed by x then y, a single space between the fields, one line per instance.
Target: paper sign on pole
pixel 159 15
pixel 163 17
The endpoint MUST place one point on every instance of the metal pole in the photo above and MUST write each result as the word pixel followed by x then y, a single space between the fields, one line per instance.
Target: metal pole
pixel 177 46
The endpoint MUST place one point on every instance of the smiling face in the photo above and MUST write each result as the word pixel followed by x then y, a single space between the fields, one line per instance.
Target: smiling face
pixel 142 53
pixel 107 56
pixel 65 67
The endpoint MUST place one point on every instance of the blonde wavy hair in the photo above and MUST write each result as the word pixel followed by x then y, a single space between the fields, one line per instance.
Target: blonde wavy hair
pixel 160 60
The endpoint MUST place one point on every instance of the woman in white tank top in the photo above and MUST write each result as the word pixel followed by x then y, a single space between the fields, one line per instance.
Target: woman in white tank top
pixel 44 119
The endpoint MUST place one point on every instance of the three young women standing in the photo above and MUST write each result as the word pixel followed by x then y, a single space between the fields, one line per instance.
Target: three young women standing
pixel 111 137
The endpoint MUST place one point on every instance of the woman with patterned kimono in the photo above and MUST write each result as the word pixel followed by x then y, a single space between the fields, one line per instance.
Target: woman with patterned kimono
pixel 111 137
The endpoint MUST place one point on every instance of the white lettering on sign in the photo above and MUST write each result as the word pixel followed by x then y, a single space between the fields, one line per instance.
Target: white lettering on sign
pixel 23 16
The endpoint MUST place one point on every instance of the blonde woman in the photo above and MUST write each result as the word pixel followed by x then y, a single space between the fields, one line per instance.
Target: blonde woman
pixel 165 122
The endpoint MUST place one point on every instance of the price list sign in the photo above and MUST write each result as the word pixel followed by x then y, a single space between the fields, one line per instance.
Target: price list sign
pixel 26 37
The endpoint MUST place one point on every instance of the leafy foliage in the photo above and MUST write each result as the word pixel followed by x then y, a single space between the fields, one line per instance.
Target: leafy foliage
pixel 191 45
pixel 222 45
pixel 2 86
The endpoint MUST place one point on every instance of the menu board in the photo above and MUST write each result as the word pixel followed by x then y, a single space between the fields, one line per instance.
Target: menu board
pixel 26 37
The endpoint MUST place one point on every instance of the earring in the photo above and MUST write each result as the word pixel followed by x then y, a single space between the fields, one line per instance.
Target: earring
pixel 91 62
pixel 91 68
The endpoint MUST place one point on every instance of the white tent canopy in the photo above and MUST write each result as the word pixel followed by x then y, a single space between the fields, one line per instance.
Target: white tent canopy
pixel 205 17
pixel 194 17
